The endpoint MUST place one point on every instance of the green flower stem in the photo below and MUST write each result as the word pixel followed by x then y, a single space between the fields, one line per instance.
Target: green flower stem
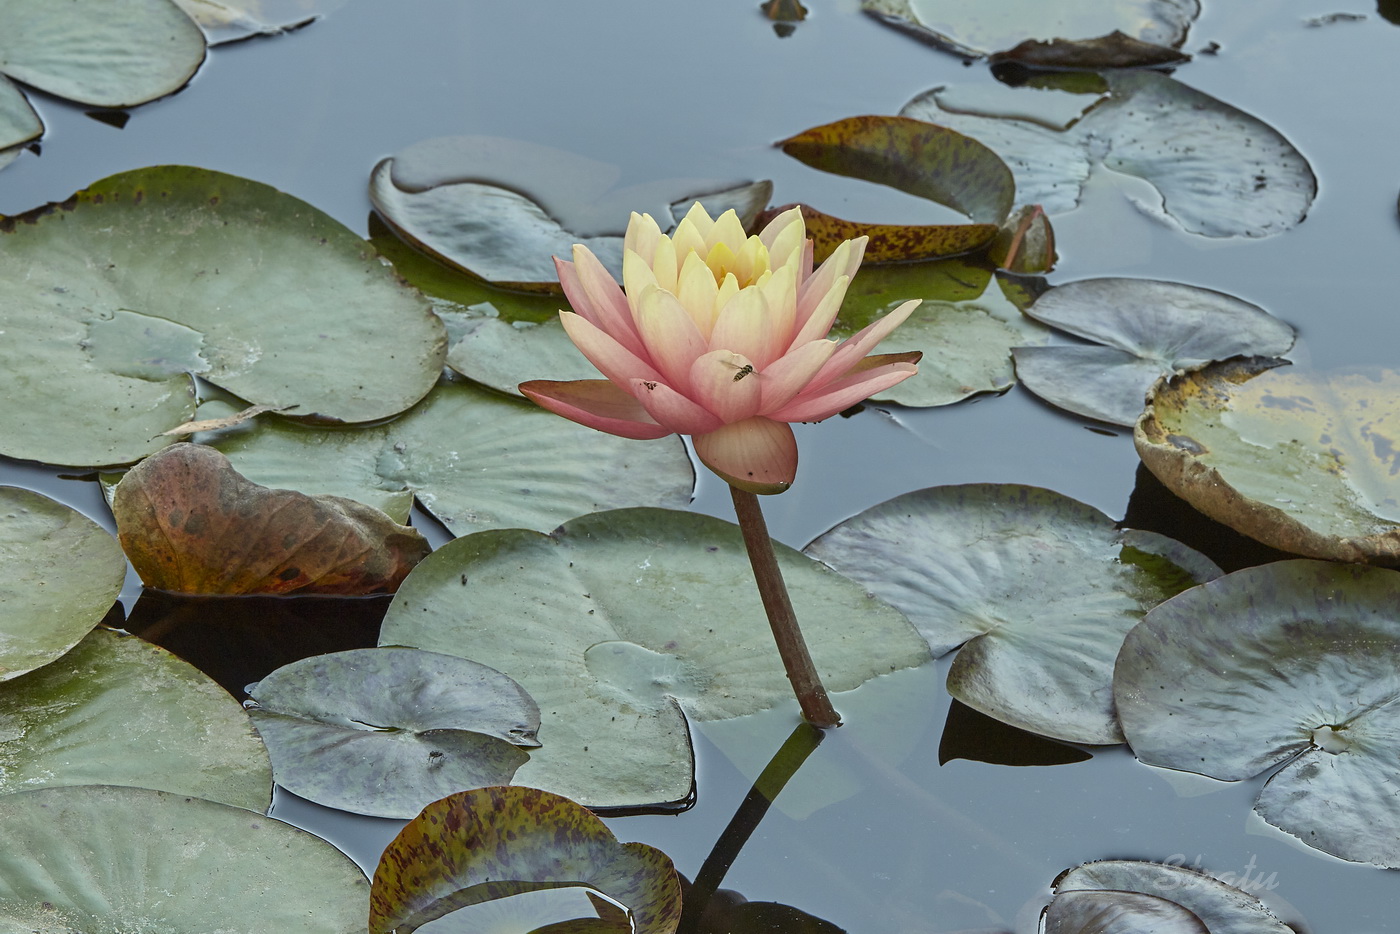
pixel 806 684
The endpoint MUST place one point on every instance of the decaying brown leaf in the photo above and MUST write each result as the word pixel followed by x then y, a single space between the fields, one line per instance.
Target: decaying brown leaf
pixel 1115 50
pixel 228 421
pixel 889 243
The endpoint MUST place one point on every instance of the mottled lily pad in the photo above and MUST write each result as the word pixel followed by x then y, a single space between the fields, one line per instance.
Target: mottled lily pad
pixel 1305 462
pixel 117 710
pixel 1145 329
pixel 1039 589
pixel 110 299
pixel 1129 894
pixel 386 731
pixel 1220 171
pixel 191 523
pixel 888 243
pixel 616 618
pixel 1293 663
pixel 59 575
pixel 492 843
pixel 97 858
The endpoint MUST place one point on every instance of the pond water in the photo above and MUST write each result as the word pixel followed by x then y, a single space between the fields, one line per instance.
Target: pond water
pixel 874 835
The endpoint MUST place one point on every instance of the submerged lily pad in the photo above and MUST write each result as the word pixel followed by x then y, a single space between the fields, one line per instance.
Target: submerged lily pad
pixel 1291 662
pixel 96 858
pixel 386 731
pixel 59 575
pixel 111 298
pixel 616 617
pixel 231 20
pixel 1133 895
pixel 492 843
pixel 1039 589
pixel 1220 171
pixel 1305 462
pixel 1150 328
pixel 117 710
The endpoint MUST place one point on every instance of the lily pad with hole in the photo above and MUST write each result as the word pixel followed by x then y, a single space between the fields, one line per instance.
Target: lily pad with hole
pixel 386 731
pixel 620 619
pixel 1306 462
pixel 112 298
pixel 100 858
pixel 1220 171
pixel 492 843
pixel 1144 329
pixel 119 711
pixel 60 573
pixel 1125 896
pixel 1037 588
pixel 1289 663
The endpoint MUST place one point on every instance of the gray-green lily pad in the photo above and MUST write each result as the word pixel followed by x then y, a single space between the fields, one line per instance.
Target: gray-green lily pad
pixel 1220 171
pixel 60 573
pixel 618 616
pixel 474 459
pixel 1210 904
pixel 1039 589
pixel 18 122
pixel 1118 913
pixel 117 710
pixel 103 860
pixel 1293 663
pixel 112 298
pixel 232 20
pixel 1305 462
pixel 995 25
pixel 503 354
pixel 385 731
pixel 1145 329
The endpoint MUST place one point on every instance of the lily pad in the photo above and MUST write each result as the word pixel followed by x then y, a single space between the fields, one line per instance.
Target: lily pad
pixel 1291 662
pixel 1118 913
pixel 1305 462
pixel 473 459
pixel 619 616
pixel 1039 589
pixel 888 243
pixel 97 858
pixel 386 731
pixel 110 299
pixel 1145 329
pixel 191 523
pixel 232 20
pixel 18 121
pixel 1220 171
pixel 119 711
pixel 1123 887
pixel 59 575
pixel 1000 24
pixel 491 843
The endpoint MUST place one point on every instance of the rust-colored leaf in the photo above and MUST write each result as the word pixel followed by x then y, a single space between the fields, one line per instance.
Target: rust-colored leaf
pixel 191 523
pixel 889 243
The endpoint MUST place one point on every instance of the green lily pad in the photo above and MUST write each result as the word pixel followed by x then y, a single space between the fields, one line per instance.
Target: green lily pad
pixel 474 459
pixel 107 859
pixel 1039 589
pixel 106 53
pixel 492 843
pixel 619 616
pixel 1293 663
pixel 385 731
pixel 1000 24
pixel 110 299
pixel 119 711
pixel 1124 886
pixel 1220 171
pixel 1305 462
pixel 1145 329
pixel 18 122
pixel 502 354
pixel 60 573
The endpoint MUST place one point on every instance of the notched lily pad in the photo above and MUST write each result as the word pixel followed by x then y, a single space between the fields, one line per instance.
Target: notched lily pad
pixel 191 523
pixel 386 731
pixel 1124 896
pixel 1144 329
pixel 1293 663
pixel 1305 462
pixel 1039 589
pixel 492 843
pixel 59 575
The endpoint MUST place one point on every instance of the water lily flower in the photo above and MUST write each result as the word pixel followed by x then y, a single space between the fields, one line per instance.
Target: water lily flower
pixel 720 336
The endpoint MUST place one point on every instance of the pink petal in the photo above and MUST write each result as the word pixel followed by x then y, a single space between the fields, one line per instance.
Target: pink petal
pixel 757 454
pixel 612 359
pixel 844 261
pixel 727 384
pixel 671 337
pixel 596 403
pixel 789 375
pixel 817 320
pixel 873 375
pixel 674 410
pixel 601 295
pixel 848 355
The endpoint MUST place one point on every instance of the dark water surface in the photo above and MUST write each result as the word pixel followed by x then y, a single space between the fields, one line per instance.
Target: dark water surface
pixel 873 835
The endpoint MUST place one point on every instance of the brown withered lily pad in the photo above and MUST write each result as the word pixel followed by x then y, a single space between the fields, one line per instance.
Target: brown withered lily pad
pixel 889 243
pixel 1115 50
pixel 191 523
